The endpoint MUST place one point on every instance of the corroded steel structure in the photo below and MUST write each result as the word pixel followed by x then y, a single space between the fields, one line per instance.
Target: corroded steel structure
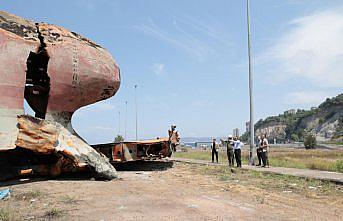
pixel 135 150
pixel 55 70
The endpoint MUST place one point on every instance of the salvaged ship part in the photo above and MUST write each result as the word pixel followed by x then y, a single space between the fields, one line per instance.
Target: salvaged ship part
pixel 135 150
pixel 48 148
pixel 56 71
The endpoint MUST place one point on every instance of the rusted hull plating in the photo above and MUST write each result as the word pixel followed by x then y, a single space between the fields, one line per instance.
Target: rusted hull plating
pixel 135 150
pixel 55 70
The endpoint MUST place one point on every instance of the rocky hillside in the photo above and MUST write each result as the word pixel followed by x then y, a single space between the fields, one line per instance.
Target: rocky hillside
pixel 325 122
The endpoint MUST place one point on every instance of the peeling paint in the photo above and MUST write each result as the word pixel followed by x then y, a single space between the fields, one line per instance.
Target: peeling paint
pixel 79 73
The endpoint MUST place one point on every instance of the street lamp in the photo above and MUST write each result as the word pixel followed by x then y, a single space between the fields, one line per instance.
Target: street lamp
pixel 252 136
pixel 136 111
pixel 125 119
pixel 119 123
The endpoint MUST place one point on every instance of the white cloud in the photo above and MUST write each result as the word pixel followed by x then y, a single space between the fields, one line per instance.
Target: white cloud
pixel 95 108
pixel 213 30
pixel 307 97
pixel 102 128
pixel 158 69
pixel 312 49
pixel 188 34
pixel 104 107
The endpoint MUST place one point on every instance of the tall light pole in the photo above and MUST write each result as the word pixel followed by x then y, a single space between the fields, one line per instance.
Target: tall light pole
pixel 119 123
pixel 252 136
pixel 125 119
pixel 136 112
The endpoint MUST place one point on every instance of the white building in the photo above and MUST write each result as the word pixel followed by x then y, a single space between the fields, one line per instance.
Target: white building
pixel 247 126
pixel 235 132
pixel 290 112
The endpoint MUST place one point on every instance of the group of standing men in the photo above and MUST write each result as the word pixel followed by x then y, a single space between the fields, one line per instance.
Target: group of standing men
pixel 234 150
pixel 262 151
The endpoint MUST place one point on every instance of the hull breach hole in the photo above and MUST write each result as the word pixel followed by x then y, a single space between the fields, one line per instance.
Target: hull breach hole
pixel 37 85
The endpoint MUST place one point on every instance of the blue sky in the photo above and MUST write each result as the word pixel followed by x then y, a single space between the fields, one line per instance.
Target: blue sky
pixel 189 59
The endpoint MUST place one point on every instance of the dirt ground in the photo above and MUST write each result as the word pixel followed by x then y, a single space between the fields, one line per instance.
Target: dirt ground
pixel 181 192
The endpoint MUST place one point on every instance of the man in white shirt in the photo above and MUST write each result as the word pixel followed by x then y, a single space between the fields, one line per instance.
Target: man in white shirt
pixel 237 146
pixel 265 147
pixel 259 151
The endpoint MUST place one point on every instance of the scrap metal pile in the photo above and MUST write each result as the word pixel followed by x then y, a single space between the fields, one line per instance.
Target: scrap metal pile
pixel 57 72
pixel 135 150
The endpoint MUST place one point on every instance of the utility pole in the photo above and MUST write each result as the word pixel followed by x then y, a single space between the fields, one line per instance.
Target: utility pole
pixel 252 136
pixel 136 111
pixel 119 124
pixel 125 120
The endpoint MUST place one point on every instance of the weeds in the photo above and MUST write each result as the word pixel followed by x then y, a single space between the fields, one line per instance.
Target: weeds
pixel 339 166
pixel 29 195
pixel 329 160
pixel 53 213
pixel 270 182
pixel 4 215
pixel 69 199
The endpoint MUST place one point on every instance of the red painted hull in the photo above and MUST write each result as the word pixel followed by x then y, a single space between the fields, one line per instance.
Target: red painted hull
pixel 80 71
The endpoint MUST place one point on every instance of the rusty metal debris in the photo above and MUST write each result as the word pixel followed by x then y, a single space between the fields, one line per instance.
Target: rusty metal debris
pixel 57 72
pixel 135 150
pixel 53 150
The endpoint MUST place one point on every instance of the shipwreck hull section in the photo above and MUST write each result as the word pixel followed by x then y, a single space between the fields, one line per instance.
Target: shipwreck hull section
pixel 17 39
pixel 135 150
pixel 79 73
pixel 47 148
pixel 56 71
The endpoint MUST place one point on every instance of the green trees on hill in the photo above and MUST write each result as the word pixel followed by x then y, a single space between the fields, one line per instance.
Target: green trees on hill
pixel 310 142
pixel 119 138
pixel 296 125
pixel 339 129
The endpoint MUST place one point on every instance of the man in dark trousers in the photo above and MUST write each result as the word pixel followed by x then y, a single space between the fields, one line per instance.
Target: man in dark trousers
pixel 259 150
pixel 174 138
pixel 229 151
pixel 265 149
pixel 237 149
pixel 214 150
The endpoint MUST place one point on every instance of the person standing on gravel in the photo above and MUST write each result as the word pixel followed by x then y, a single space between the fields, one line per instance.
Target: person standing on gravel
pixel 214 150
pixel 259 150
pixel 229 151
pixel 265 148
pixel 174 138
pixel 237 146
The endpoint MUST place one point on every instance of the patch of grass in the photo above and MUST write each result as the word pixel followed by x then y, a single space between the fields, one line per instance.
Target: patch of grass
pixel 224 177
pixel 339 166
pixel 334 142
pixel 5 215
pixel 329 160
pixel 29 195
pixel 53 213
pixel 271 182
pixel 69 199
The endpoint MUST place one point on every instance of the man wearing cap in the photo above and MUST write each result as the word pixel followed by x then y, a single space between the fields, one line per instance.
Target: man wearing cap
pixel 229 150
pixel 174 138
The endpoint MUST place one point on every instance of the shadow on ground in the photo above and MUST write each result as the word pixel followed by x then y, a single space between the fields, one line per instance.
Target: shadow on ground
pixel 127 166
pixel 143 165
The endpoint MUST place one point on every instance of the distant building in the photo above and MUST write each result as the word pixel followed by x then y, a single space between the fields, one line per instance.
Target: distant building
pixel 247 126
pixel 290 112
pixel 235 132
pixel 313 108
